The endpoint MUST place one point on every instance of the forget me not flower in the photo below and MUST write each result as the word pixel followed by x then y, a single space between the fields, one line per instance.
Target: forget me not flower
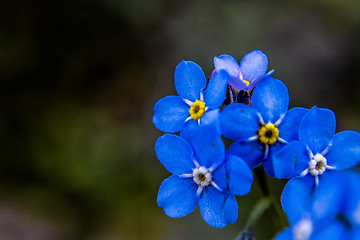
pixel 265 127
pixel 340 201
pixel 202 175
pixel 331 213
pixel 193 106
pixel 318 150
pixel 245 76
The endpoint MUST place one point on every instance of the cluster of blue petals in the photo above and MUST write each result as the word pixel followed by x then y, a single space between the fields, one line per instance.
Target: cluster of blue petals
pixel 180 194
pixel 241 123
pixel 298 143
pixel 252 69
pixel 331 212
pixel 171 113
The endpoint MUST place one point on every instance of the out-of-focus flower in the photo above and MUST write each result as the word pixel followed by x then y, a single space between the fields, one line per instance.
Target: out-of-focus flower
pixel 331 212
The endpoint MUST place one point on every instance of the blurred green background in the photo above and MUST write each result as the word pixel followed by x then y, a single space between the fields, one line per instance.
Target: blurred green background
pixel 78 83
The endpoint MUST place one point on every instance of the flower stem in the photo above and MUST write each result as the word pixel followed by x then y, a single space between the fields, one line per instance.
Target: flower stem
pixel 279 218
pixel 266 202
pixel 260 174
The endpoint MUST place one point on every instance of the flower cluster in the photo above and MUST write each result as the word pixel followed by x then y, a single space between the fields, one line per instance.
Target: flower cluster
pixel 243 103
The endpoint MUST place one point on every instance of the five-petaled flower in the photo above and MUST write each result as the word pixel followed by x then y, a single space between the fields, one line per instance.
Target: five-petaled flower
pixel 318 150
pixel 193 106
pixel 245 76
pixel 264 128
pixel 202 175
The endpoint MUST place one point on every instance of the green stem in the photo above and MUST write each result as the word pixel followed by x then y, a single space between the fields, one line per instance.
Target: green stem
pixel 260 174
pixel 257 211
pixel 266 202
pixel 279 218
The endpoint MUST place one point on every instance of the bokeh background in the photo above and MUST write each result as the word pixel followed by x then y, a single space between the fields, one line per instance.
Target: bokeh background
pixel 79 80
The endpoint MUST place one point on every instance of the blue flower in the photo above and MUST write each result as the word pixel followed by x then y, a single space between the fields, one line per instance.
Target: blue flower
pixel 193 106
pixel 332 212
pixel 264 128
pixel 318 150
pixel 202 175
pixel 245 76
pixel 340 201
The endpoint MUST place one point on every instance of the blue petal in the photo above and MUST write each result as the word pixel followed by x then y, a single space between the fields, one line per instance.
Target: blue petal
pixel 220 178
pixel 240 175
pixel 330 195
pixel 208 146
pixel 211 117
pixel 353 201
pixel 254 65
pixel 227 63
pixel 271 99
pixel 329 231
pixel 345 150
pixel 251 152
pixel 178 196
pixel 254 82
pixel 317 128
pixel 296 198
pixel 231 66
pixel 291 160
pixel 170 114
pixel 175 154
pixel 188 129
pixel 289 127
pixel 239 121
pixel 215 91
pixel 268 161
pixel 354 234
pixel 217 208
pixel 349 190
pixel 189 80
pixel 286 234
pixel 238 84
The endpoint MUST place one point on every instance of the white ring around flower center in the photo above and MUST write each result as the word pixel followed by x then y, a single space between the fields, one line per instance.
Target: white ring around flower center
pixel 317 165
pixel 302 229
pixel 202 176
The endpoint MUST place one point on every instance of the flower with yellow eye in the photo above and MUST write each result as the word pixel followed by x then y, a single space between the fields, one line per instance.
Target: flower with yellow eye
pixel 194 105
pixel 264 128
pixel 248 73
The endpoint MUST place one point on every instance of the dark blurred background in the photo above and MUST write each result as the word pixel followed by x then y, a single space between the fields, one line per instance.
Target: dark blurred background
pixel 78 83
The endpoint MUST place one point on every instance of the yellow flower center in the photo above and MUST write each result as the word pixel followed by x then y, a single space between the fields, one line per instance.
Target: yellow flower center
pixel 268 133
pixel 197 110
pixel 246 82
pixel 202 177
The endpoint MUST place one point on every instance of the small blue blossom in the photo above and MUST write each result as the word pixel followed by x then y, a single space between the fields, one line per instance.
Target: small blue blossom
pixel 318 150
pixel 340 201
pixel 264 128
pixel 331 213
pixel 245 76
pixel 193 106
pixel 202 175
